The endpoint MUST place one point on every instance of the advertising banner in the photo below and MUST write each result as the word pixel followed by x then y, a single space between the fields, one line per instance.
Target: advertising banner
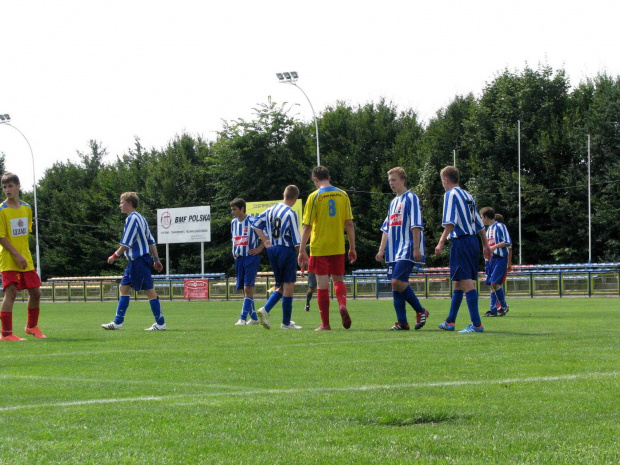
pixel 183 225
pixel 196 289
pixel 256 208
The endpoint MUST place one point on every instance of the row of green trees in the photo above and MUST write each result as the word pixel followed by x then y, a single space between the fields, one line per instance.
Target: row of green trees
pixel 80 222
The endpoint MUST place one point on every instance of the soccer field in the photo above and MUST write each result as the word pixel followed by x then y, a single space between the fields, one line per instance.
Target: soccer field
pixel 538 386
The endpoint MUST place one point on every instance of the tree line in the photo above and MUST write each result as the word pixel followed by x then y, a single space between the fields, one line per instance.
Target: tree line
pixel 80 222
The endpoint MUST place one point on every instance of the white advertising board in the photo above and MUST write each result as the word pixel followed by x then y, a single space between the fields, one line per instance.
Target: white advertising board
pixel 182 225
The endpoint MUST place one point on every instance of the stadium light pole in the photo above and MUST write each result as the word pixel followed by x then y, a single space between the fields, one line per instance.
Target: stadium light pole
pixel 6 119
pixel 291 78
pixel 519 169
pixel 589 208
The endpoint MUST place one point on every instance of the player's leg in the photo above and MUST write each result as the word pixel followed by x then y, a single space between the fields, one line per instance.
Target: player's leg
pixel 289 276
pixel 319 267
pixel 336 270
pixel 248 288
pixel 123 301
pixel 6 310
pixel 396 273
pixel 239 273
pixel 34 301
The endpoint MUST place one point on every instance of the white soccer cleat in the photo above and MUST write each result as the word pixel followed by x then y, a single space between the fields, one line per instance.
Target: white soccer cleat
pixel 252 322
pixel 291 325
pixel 263 317
pixel 112 326
pixel 157 327
pixel 240 322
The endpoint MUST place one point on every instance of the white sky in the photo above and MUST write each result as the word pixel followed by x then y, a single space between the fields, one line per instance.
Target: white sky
pixel 75 70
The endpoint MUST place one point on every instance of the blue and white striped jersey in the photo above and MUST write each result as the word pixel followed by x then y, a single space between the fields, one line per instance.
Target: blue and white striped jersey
pixel 404 213
pixel 280 225
pixel 459 209
pixel 244 236
pixel 137 236
pixel 496 234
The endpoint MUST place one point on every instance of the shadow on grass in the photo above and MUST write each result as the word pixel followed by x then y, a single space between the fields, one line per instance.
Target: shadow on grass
pixel 416 420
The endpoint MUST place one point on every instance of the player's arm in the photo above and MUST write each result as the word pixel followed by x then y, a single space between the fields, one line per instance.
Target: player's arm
pixel 417 252
pixel 486 250
pixel 264 239
pixel 157 264
pixel 350 229
pixel 19 258
pixel 444 236
pixel 381 253
pixel 117 254
pixel 302 257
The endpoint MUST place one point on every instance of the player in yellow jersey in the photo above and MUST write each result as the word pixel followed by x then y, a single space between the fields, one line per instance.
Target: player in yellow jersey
pixel 327 215
pixel 16 260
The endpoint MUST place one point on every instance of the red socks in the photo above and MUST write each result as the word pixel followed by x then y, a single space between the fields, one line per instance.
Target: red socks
pixel 322 297
pixel 341 293
pixel 33 317
pixel 7 323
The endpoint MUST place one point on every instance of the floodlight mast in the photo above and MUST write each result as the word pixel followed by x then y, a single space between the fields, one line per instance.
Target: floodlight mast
pixel 291 77
pixel 6 119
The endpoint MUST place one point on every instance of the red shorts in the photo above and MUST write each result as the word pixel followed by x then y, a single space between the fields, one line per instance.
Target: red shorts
pixel 330 264
pixel 23 279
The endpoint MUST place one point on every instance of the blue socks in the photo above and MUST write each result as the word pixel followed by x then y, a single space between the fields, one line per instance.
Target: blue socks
pixel 501 296
pixel 493 302
pixel 472 304
pixel 123 304
pixel 457 298
pixel 412 299
pixel 156 309
pixel 399 306
pixel 248 309
pixel 273 300
pixel 287 310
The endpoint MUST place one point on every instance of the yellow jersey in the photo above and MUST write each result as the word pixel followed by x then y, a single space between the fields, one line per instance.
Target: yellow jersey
pixel 16 225
pixel 326 211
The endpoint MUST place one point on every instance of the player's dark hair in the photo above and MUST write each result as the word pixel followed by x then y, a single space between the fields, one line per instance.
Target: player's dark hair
pixel 291 192
pixel 499 217
pixel 488 212
pixel 450 172
pixel 130 197
pixel 238 202
pixel 10 177
pixel 320 173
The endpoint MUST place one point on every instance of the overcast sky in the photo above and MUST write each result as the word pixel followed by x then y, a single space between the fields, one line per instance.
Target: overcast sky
pixel 75 70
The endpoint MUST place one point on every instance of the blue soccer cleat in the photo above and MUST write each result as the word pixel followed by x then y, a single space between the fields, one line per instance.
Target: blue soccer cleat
pixel 447 326
pixel 472 329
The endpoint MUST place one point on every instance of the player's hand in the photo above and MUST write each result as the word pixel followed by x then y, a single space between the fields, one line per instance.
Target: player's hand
pixel 417 255
pixel 302 259
pixel 21 261
pixel 352 256
pixel 438 249
pixel 487 252
pixel 111 259
pixel 158 265
pixel 379 256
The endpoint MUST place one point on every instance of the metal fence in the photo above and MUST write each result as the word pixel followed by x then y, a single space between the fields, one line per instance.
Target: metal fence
pixel 436 285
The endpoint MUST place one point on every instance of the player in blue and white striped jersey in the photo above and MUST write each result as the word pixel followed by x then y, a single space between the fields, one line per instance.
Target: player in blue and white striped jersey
pixel 402 245
pixel 278 228
pixel 499 242
pixel 462 222
pixel 246 251
pixel 138 245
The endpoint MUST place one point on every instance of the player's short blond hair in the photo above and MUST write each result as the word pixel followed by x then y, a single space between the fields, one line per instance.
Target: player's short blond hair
pixel 450 172
pixel 400 172
pixel 291 192
pixel 130 197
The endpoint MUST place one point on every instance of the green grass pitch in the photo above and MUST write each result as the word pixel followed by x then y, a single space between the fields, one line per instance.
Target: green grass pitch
pixel 541 385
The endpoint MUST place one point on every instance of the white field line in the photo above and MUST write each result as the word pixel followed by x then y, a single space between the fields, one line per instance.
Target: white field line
pixel 378 387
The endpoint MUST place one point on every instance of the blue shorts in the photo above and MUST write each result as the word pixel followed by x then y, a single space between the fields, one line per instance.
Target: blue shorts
pixel 138 273
pixel 400 270
pixel 496 270
pixel 464 256
pixel 284 263
pixel 246 269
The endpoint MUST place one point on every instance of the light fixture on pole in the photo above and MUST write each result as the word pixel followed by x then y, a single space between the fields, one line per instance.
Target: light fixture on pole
pixel 6 119
pixel 291 78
